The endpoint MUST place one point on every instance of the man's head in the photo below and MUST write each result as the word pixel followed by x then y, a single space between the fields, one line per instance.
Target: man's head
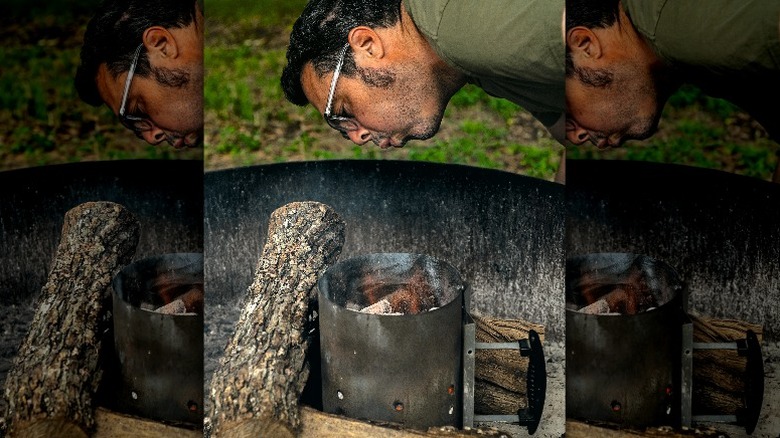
pixel 390 86
pixel 149 55
pixel 613 91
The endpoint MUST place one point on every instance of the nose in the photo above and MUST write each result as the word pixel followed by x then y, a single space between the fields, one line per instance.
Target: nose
pixel 154 136
pixel 359 136
pixel 575 133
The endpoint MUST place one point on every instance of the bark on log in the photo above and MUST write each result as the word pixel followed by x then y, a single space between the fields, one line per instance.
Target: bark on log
pixel 55 374
pixel 499 375
pixel 256 386
pixel 718 385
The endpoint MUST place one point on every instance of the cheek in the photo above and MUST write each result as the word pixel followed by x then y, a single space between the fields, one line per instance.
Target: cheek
pixel 179 111
pixel 378 113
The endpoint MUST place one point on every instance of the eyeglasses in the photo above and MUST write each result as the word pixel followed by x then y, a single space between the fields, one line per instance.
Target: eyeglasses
pixel 339 123
pixel 133 123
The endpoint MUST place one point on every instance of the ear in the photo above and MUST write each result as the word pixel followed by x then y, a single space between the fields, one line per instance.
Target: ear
pixel 583 43
pixel 160 44
pixel 366 44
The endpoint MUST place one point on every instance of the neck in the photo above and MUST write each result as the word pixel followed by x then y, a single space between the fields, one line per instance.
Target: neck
pixel 635 47
pixel 419 50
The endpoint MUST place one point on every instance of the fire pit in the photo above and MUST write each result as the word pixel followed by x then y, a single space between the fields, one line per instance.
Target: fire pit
pixel 505 237
pixel 164 195
pixel 719 230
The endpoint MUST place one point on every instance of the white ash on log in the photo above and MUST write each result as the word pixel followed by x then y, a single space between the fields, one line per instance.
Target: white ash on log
pixel 189 302
pixel 50 386
pixel 599 307
pixel 256 387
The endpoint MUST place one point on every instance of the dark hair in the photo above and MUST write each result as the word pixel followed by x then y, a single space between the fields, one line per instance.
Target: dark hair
pixel 590 14
pixel 320 33
pixel 116 30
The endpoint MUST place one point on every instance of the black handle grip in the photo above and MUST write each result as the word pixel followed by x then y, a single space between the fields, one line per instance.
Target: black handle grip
pixel 754 381
pixel 536 381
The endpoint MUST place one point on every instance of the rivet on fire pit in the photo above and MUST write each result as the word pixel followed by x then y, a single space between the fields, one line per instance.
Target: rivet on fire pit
pixel 615 406
pixel 134 395
pixel 398 406
pixel 451 390
pixel 452 410
pixel 340 395
pixel 192 406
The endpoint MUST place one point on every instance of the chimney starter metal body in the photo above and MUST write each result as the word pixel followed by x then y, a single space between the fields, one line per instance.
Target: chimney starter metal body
pixel 401 368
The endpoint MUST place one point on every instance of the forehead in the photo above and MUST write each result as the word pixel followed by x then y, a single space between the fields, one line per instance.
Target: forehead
pixel 316 88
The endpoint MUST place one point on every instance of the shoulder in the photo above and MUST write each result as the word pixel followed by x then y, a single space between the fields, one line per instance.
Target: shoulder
pixel 722 34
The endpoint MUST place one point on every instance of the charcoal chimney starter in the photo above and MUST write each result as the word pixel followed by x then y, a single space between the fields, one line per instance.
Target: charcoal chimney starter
pixel 158 357
pixel 623 367
pixel 391 339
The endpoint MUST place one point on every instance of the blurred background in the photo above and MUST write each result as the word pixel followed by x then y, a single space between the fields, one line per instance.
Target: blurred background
pixel 43 120
pixel 698 130
pixel 248 120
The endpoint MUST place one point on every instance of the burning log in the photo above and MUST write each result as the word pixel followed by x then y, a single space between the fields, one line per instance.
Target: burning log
pixel 500 386
pixel 55 374
pixel 410 298
pixel 625 293
pixel 255 389
pixel 189 302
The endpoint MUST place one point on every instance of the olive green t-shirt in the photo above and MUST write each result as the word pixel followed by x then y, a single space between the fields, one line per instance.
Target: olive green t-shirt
pixel 510 48
pixel 729 48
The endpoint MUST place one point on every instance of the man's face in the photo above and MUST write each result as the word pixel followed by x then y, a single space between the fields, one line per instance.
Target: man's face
pixel 388 112
pixel 627 108
pixel 170 102
pixel 175 114
pixel 609 116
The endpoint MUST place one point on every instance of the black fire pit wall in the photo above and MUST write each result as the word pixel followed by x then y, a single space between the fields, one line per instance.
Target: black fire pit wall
pixel 503 232
pixel 719 230
pixel 166 196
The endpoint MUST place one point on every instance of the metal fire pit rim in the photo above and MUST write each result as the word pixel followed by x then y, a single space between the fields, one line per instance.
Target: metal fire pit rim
pixel 380 162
